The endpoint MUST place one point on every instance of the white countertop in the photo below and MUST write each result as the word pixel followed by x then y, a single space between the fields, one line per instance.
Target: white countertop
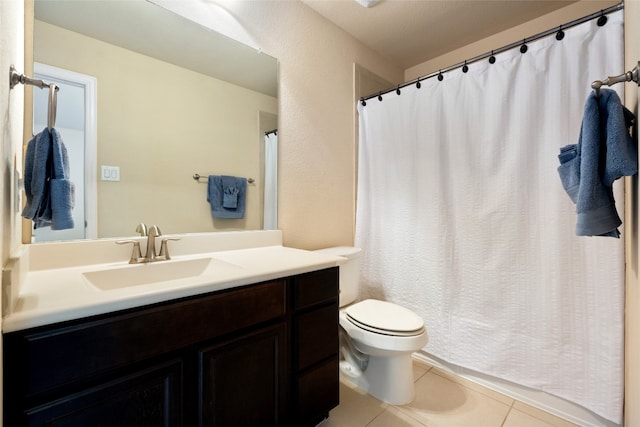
pixel 54 295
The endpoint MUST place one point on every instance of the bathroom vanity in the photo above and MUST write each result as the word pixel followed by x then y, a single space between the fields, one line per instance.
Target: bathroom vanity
pixel 261 353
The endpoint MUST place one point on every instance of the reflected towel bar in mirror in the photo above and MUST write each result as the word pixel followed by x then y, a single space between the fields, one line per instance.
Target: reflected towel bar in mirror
pixel 197 177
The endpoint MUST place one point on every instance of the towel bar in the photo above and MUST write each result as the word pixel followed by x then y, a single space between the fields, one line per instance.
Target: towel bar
pixel 629 76
pixel 197 176
pixel 16 78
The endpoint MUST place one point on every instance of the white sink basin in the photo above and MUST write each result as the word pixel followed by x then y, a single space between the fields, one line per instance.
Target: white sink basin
pixel 154 272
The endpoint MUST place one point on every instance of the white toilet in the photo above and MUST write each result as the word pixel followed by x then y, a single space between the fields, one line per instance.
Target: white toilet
pixel 376 337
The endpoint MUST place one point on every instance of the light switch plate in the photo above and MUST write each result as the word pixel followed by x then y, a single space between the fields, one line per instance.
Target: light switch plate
pixel 110 173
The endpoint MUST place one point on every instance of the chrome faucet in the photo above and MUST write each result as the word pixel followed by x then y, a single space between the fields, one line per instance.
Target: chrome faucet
pixel 150 255
pixel 152 233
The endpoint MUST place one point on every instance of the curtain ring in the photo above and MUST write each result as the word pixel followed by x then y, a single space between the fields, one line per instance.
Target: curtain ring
pixel 560 34
pixel 440 76
pixel 53 102
pixel 602 20
pixel 492 59
pixel 523 47
pixel 398 90
pixel 465 68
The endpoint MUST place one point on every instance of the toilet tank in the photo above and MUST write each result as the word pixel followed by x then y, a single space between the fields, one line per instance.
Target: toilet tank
pixel 349 272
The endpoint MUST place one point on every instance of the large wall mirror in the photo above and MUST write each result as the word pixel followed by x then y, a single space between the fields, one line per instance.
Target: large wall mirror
pixel 170 99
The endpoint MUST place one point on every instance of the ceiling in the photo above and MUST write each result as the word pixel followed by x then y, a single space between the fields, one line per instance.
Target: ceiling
pixel 410 32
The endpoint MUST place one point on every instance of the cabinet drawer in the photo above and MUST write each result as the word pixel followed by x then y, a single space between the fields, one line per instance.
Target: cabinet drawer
pixel 318 393
pixel 56 356
pixel 316 335
pixel 315 288
pixel 152 397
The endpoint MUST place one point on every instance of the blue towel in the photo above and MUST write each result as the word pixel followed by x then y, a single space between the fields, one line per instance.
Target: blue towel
pixel 605 152
pixel 50 194
pixel 230 192
pixel 62 189
pixel 227 196
pixel 35 173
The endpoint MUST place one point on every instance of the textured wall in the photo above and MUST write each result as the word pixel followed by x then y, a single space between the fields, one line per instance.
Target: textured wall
pixel 632 219
pixel 11 114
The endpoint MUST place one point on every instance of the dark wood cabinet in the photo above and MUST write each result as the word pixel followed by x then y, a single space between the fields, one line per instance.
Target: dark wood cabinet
pixel 258 355
pixel 242 381
pixel 150 397
pixel 315 345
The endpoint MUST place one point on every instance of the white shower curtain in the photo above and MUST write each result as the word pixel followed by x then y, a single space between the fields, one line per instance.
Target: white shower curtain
pixel 462 218
pixel 270 181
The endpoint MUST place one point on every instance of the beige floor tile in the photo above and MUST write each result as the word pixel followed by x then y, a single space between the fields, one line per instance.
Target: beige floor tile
pixel 542 415
pixel 441 402
pixel 393 417
pixel 421 362
pixel 419 369
pixel 474 386
pixel 356 409
pixel 520 419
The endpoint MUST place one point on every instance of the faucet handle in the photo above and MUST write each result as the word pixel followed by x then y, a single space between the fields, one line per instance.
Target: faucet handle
pixel 136 254
pixel 142 229
pixel 164 247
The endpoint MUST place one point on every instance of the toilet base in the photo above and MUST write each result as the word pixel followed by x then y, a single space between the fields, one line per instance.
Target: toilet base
pixel 389 378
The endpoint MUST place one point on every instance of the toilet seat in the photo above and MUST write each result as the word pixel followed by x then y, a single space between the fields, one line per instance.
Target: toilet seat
pixel 385 318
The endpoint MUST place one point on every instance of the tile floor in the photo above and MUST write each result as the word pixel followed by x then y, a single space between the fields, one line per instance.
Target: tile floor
pixel 442 400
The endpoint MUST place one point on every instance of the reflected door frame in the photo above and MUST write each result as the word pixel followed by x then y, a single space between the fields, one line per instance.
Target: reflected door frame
pixel 60 75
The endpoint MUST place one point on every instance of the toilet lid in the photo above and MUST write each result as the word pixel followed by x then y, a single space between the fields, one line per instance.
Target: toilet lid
pixel 384 316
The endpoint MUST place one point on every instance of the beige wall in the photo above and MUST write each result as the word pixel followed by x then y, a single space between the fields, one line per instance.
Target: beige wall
pixel 632 219
pixel 317 179
pixel 11 115
pixel 11 109
pixel 161 124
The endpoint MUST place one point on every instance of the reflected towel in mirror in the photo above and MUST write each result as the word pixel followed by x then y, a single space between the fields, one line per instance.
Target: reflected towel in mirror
pixel 50 194
pixel 227 196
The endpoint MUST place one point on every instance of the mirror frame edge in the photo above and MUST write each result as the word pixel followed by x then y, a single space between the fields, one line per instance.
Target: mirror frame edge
pixel 29 23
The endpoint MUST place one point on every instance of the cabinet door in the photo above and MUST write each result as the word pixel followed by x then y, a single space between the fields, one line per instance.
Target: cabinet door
pixel 152 397
pixel 242 381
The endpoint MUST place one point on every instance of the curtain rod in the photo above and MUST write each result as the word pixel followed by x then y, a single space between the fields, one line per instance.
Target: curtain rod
pixel 559 31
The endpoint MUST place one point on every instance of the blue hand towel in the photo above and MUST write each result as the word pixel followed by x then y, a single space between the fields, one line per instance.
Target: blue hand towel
pixel 230 192
pixel 62 189
pixel 35 173
pixel 605 152
pixel 50 194
pixel 237 190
